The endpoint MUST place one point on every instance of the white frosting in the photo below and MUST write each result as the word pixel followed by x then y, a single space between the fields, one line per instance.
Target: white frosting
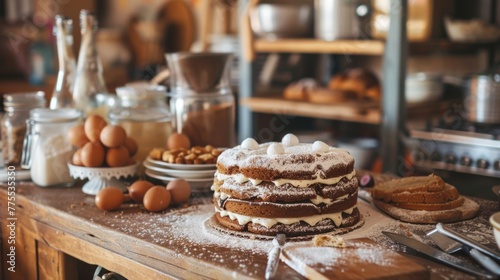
pixel 316 201
pixel 269 222
pixel 275 149
pixel 250 144
pixel 288 161
pixel 318 180
pixel 290 140
pixel 240 178
pixel 320 147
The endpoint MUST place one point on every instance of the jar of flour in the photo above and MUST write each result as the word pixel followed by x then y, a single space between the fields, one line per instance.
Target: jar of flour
pixel 46 150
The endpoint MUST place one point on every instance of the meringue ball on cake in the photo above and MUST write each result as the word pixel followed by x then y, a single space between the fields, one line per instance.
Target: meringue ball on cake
pixel 250 144
pixel 275 149
pixel 290 140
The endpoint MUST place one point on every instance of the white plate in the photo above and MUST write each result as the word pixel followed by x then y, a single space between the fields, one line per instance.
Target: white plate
pixel 180 166
pixel 197 185
pixel 186 174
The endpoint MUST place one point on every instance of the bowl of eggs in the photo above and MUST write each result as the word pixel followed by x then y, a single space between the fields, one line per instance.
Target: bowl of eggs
pixel 104 154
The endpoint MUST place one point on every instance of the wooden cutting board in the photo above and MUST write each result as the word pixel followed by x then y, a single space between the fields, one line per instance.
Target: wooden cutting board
pixel 361 259
pixel 467 210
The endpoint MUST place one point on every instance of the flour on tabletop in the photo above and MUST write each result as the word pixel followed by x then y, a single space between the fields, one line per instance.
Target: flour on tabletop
pixel 176 227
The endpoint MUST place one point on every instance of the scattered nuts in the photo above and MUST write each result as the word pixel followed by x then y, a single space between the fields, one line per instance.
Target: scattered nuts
pixel 195 155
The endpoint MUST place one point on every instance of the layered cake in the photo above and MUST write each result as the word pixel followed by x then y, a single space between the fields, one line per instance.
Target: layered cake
pixel 288 187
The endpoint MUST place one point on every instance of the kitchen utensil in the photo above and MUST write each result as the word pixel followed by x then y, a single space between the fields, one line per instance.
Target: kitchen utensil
pixel 482 98
pixel 274 255
pixel 437 255
pixel 361 258
pixel 450 246
pixel 282 20
pixel 201 98
pixel 466 241
pixel 446 244
pixel 339 19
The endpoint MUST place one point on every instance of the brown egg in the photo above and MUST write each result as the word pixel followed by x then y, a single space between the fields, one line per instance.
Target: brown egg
pixel 138 189
pixel 180 190
pixel 93 127
pixel 157 199
pixel 131 146
pixel 177 141
pixel 92 154
pixel 77 158
pixel 76 136
pixel 109 198
pixel 116 157
pixel 113 136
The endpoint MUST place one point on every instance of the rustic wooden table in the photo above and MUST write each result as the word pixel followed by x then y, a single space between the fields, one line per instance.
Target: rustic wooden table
pixel 55 226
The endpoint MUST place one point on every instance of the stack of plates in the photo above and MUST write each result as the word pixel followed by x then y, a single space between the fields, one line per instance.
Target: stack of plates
pixel 200 176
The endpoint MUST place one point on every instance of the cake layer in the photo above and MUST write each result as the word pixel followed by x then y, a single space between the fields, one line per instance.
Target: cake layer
pixel 298 162
pixel 289 210
pixel 267 191
pixel 299 228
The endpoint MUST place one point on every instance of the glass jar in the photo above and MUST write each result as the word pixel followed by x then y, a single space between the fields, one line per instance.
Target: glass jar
pixel 17 110
pixel 201 98
pixel 47 149
pixel 207 119
pixel 143 112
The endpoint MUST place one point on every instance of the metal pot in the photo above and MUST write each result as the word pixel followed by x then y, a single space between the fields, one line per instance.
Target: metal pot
pixel 340 19
pixel 482 99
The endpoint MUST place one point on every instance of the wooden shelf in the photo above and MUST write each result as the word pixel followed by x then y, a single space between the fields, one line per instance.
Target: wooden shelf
pixel 368 112
pixel 362 47
pixel 363 113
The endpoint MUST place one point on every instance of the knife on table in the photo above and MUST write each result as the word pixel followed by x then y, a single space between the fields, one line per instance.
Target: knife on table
pixel 438 255
pixel 273 257
pixel 466 241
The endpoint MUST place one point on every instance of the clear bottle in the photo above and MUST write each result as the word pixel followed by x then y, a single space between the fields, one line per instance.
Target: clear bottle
pixel 89 81
pixel 62 96
pixel 47 150
pixel 143 112
pixel 17 109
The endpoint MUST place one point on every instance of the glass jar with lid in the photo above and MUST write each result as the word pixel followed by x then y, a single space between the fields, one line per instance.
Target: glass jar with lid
pixel 17 108
pixel 47 149
pixel 201 98
pixel 142 110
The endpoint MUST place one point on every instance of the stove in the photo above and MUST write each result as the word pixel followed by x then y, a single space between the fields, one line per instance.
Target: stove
pixel 465 148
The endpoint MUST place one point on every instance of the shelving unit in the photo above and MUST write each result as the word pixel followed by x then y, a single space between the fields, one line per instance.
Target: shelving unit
pixel 392 119
pixel 252 104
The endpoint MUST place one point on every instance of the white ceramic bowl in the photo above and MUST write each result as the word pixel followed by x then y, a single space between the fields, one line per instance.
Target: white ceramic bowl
pixel 364 151
pixel 495 222
pixel 423 87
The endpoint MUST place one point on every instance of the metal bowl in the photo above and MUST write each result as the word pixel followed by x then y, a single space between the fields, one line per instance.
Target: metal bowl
pixel 282 20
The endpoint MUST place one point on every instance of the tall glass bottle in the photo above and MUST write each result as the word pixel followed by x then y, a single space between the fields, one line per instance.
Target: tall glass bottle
pixel 89 81
pixel 62 97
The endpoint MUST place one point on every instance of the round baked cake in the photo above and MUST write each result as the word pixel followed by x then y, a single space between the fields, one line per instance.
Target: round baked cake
pixel 289 187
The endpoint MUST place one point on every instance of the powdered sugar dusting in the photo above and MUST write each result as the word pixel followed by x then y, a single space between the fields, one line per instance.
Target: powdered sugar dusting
pixel 330 258
pixel 244 158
